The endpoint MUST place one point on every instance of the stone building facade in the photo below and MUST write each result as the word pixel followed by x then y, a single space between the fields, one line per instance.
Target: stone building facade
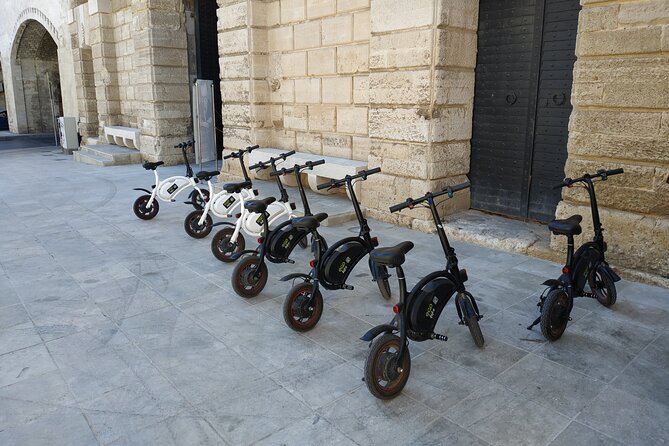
pixel 394 83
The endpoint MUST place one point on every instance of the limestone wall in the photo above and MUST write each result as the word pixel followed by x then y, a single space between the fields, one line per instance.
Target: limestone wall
pixel 621 119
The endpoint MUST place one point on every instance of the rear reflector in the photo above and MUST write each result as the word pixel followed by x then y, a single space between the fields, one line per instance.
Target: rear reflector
pixel 396 309
pixel 238 215
pixel 261 239
pixel 565 270
pixel 312 263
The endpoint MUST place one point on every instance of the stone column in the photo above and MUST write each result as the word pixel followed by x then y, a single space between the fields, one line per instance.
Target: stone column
pixel 421 89
pixel 242 46
pixel 621 119
pixel 160 78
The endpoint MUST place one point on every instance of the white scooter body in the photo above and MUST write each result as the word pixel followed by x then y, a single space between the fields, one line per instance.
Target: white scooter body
pixel 223 204
pixel 252 224
pixel 170 188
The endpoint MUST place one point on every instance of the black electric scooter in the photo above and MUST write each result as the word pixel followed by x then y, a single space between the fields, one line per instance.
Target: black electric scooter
pixel 250 274
pixel 146 207
pixel 331 266
pixel 388 363
pixel 191 222
pixel 221 245
pixel 587 264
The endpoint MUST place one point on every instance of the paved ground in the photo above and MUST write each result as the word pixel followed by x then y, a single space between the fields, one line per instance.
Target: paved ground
pixel 120 331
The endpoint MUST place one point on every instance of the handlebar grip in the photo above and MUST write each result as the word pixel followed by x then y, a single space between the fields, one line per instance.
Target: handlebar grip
pixel 371 171
pixel 400 206
pixel 257 166
pixel 314 163
pixel 287 154
pixel 232 155
pixel 461 186
pixel 614 171
pixel 250 149
pixel 325 185
pixel 283 171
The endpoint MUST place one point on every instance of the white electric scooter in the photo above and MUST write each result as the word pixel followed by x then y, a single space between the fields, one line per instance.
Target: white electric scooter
pixel 229 243
pixel 146 207
pixel 223 204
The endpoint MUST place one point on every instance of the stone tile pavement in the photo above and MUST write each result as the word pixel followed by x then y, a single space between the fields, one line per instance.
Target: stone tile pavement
pixel 119 331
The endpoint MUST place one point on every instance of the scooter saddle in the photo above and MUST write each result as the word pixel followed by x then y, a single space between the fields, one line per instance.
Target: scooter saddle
pixel 235 188
pixel 259 206
pixel 569 226
pixel 152 166
pixel 392 256
pixel 207 175
pixel 309 222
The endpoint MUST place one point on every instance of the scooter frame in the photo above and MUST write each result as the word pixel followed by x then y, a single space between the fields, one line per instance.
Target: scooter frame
pixel 588 259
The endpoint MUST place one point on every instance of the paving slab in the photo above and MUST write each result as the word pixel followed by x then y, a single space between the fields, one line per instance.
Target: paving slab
pixel 115 330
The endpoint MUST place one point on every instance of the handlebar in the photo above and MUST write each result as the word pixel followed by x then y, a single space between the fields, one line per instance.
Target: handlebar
pixel 297 167
pixel 183 145
pixel 240 152
pixel 337 183
pixel 603 174
pixel 264 164
pixel 410 202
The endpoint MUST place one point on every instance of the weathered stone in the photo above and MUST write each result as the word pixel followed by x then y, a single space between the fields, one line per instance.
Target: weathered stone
pixel 404 124
pixel 361 89
pixel 361 26
pixel 399 50
pixel 400 87
pixel 615 122
pixel 451 124
pixel 308 91
pixel 295 117
pixel 309 142
pixel 353 58
pixel 307 35
pixel 457 48
pixel 352 120
pixel 320 8
pixel 294 64
pixel 453 87
pixel 232 16
pixel 350 5
pixel 598 18
pixel 322 61
pixel 361 148
pixel 644 13
pixel 395 15
pixel 619 41
pixel 337 29
pixel 292 10
pixel 640 148
pixel 322 118
pixel 337 90
pixel 459 14
pixel 337 145
pixel 281 39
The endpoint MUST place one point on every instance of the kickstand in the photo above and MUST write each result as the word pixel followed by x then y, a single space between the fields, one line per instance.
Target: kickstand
pixel 534 323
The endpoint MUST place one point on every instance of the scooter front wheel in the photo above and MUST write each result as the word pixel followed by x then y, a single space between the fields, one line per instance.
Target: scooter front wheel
pixel 385 378
pixel 383 283
pixel 194 228
pixel 200 201
pixel 222 246
pixel 300 311
pixel 142 211
pixel 247 280
pixel 602 286
pixel 554 314
pixel 472 321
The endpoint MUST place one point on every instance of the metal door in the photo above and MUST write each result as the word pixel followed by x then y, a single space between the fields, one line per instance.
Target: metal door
pixel 522 104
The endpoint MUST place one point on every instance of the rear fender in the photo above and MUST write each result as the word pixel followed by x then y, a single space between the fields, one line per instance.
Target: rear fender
pixel 142 189
pixel 237 255
pixel 221 223
pixel 305 277
pixel 374 332
pixel 609 271
pixel 553 283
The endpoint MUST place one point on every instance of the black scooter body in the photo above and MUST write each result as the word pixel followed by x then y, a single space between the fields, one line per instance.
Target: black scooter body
pixel 282 240
pixel 427 301
pixel 340 259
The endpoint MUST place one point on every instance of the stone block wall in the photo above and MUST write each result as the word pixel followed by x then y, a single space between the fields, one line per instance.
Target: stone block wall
pixel 621 119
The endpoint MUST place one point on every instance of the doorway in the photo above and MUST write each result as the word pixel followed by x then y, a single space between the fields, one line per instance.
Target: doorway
pixel 526 55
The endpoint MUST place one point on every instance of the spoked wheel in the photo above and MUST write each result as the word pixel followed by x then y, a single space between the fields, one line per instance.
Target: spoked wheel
pixel 300 311
pixel 383 283
pixel 602 286
pixel 554 314
pixel 199 201
pixel 142 211
pixel 385 378
pixel 472 321
pixel 194 228
pixel 247 280
pixel 224 248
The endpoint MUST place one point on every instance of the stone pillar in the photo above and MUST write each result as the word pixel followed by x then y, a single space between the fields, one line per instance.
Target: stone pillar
pixel 160 78
pixel 242 44
pixel 86 100
pixel 103 54
pixel 621 119
pixel 421 89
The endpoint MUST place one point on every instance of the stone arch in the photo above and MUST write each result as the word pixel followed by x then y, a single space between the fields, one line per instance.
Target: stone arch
pixel 35 73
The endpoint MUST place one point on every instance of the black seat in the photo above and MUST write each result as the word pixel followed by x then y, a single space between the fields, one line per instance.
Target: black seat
pixel 259 206
pixel 235 188
pixel 207 175
pixel 393 256
pixel 569 226
pixel 152 166
pixel 309 222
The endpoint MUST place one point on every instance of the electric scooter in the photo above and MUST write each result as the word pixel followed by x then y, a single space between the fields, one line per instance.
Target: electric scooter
pixel 331 266
pixel 250 275
pixel 198 224
pixel 228 244
pixel 388 363
pixel 146 206
pixel 587 264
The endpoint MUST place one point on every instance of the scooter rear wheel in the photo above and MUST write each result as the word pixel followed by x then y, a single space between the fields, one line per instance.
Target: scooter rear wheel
pixel 222 246
pixel 554 314
pixel 382 376
pixel 602 286
pixel 247 280
pixel 193 227
pixel 140 209
pixel 199 201
pixel 299 313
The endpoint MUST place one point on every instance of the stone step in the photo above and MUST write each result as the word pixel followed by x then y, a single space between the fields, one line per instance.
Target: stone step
pixel 114 155
pixel 89 158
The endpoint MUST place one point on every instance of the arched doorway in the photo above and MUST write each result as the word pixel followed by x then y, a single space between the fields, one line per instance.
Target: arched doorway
pixel 36 78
